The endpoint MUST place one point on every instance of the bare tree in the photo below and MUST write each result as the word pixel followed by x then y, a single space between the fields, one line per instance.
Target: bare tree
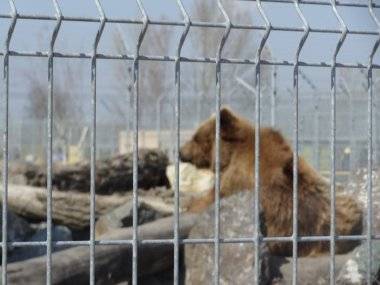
pixel 66 107
pixel 156 77
pixel 240 45
pixel 153 74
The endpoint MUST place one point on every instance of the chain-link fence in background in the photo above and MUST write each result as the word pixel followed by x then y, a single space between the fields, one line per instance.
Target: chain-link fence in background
pixel 114 136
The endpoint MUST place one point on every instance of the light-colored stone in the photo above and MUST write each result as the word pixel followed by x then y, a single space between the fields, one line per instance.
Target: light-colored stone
pixel 354 271
pixel 192 181
pixel 358 187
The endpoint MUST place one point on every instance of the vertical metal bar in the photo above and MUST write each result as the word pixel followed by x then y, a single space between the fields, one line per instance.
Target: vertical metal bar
pixel 370 174
pixel 317 150
pixel 376 134
pixel 333 140
pixel 128 88
pixel 354 157
pixel 144 28
pixel 295 139
pixel 158 120
pixel 370 146
pixel 5 142
pixel 345 88
pixel 50 142
pixel 274 97
pixel 218 70
pixel 316 117
pixel 351 132
pixel 257 237
pixel 177 112
pixel 102 20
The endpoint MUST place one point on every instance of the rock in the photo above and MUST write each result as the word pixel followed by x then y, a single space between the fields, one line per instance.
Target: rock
pixel 59 233
pixel 123 217
pixel 354 270
pixel 358 187
pixel 236 260
pixel 311 270
pixel 18 228
pixel 350 268
pixel 192 181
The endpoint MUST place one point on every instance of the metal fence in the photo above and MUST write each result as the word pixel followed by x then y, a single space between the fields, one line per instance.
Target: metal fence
pixel 257 64
pixel 27 135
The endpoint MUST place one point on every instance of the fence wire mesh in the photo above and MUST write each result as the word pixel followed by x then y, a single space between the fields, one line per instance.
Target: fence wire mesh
pixel 175 116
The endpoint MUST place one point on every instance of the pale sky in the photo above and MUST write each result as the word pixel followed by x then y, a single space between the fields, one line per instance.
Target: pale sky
pixel 32 35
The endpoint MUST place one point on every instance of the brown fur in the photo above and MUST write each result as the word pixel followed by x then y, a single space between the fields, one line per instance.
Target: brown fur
pixel 276 182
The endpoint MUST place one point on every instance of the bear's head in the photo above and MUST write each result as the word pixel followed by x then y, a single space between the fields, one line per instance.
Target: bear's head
pixel 200 149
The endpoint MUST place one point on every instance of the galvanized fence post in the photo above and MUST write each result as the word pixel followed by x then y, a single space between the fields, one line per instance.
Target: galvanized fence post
pixel 177 113
pixel 50 123
pixel 370 147
pixel 295 138
pixel 218 100
pixel 258 234
pixel 136 60
pixel 344 31
pixel 102 20
pixel 6 141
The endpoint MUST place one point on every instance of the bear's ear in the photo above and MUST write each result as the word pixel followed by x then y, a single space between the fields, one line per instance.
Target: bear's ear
pixel 227 118
pixel 229 125
pixel 288 171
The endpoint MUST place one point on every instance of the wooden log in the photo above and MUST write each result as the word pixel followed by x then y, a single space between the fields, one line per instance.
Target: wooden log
pixel 113 262
pixel 112 175
pixel 71 209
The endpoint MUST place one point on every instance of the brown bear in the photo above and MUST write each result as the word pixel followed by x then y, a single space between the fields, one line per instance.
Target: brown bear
pixel 276 183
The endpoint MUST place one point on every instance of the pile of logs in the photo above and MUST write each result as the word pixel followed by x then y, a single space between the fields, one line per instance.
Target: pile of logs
pixel 71 208
pixel 112 175
pixel 113 263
